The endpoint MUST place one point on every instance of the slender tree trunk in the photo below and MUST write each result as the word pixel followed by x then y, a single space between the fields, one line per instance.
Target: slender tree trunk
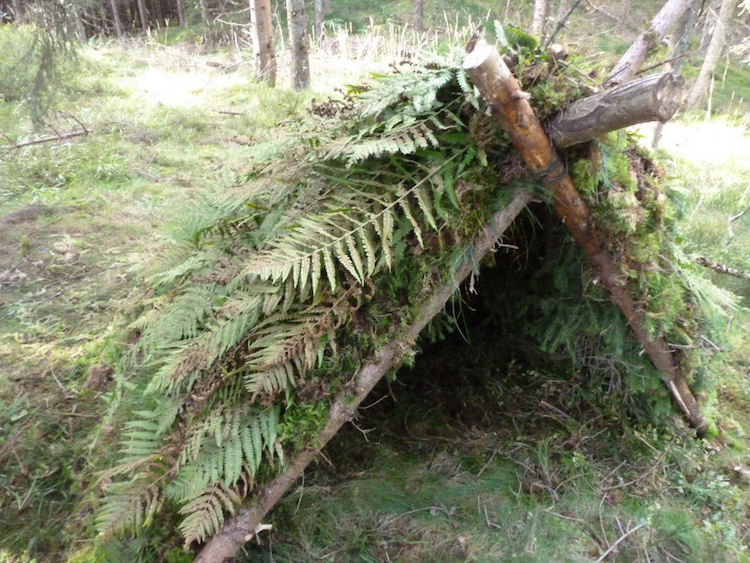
pixel 181 13
pixel 419 15
pixel 540 16
pixel 260 13
pixel 634 57
pixel 204 11
pixel 718 39
pixel 116 18
pixel 143 14
pixel 80 23
pixel 494 80
pixel 18 11
pixel 295 10
pixel 319 19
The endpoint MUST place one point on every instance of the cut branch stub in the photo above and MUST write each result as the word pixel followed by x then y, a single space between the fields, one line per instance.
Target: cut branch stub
pixel 652 98
pixel 503 93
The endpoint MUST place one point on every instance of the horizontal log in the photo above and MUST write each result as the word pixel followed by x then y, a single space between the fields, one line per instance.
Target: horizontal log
pixel 652 98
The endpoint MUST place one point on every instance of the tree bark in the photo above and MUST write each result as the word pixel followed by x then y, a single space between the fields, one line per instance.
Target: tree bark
pixel 260 13
pixel 718 39
pixel 634 57
pixel 116 18
pixel 143 14
pixel 18 11
pixel 503 93
pixel 653 98
pixel 318 19
pixel 181 18
pixel 419 15
pixel 241 528
pixel 295 10
pixel 204 11
pixel 540 17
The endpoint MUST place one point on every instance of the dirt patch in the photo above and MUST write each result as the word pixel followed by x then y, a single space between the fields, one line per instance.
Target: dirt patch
pixel 26 214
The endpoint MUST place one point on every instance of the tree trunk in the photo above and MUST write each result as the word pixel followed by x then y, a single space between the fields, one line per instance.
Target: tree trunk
pixel 204 11
pixel 718 39
pixel 143 14
pixel 634 57
pixel 18 11
pixel 241 528
pixel 653 98
pixel 79 13
pixel 116 18
pixel 503 92
pixel 260 13
pixel 419 15
pixel 181 13
pixel 318 19
pixel 540 17
pixel 295 10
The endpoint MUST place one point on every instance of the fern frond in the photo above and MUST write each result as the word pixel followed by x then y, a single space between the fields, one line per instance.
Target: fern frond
pixel 129 505
pixel 204 513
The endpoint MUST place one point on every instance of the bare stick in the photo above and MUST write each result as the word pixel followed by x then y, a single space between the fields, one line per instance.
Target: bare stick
pixel 621 538
pixel 560 24
pixel 723 268
pixel 241 528
pixel 51 138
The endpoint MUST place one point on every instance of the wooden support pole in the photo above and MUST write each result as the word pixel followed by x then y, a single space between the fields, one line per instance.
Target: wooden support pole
pixel 508 103
pixel 241 528
pixel 652 98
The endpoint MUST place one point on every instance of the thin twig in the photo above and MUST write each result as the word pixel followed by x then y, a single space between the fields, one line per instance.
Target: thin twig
pixel 560 25
pixel 621 538
pixel 61 137
pixel 657 65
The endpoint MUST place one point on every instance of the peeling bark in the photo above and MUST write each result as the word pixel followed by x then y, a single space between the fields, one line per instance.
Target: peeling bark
pixel 513 112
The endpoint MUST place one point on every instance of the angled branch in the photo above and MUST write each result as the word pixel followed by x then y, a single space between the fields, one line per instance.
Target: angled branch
pixel 241 528
pixel 513 112
pixel 635 56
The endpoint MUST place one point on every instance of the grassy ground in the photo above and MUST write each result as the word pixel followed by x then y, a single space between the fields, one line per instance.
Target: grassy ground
pixel 473 467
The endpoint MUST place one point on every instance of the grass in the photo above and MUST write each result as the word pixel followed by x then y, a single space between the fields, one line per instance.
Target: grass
pixel 444 474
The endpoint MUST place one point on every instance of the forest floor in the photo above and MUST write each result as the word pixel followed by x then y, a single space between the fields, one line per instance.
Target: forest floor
pixel 464 474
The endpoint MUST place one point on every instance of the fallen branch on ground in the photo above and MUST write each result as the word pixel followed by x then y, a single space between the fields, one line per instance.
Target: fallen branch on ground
pixel 50 138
